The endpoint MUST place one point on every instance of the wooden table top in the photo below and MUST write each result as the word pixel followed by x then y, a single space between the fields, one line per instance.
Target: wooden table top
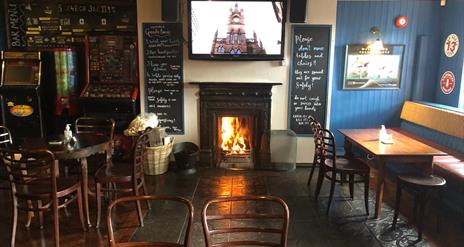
pixel 84 146
pixel 402 145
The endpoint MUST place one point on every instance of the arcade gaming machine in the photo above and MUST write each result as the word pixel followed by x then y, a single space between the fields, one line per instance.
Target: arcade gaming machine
pixel 19 94
pixel 111 88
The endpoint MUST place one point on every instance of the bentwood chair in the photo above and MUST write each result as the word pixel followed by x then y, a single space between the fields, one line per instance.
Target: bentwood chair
pixel 5 141
pixel 315 126
pixel 95 125
pixel 245 221
pixel 123 177
pixel 331 165
pixel 175 199
pixel 36 188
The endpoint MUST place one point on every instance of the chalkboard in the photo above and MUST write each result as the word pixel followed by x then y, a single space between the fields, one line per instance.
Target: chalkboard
pixel 163 61
pixel 308 76
pixel 63 23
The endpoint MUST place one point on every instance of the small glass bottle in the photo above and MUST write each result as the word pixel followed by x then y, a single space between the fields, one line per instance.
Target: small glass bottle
pixel 382 133
pixel 68 133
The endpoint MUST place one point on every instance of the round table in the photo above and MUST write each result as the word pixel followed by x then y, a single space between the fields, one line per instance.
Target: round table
pixel 84 146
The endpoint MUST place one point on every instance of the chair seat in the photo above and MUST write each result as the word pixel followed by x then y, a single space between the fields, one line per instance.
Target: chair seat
pixel 115 173
pixel 65 186
pixel 422 180
pixel 348 165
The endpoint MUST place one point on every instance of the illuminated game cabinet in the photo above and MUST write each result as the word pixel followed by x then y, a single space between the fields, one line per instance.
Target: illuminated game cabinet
pixel 19 93
pixel 111 88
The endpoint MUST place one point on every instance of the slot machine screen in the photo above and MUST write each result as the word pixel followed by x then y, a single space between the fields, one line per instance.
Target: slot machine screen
pixel 19 74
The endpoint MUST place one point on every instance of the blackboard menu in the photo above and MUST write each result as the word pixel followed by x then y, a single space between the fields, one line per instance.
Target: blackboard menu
pixel 62 23
pixel 163 61
pixel 308 76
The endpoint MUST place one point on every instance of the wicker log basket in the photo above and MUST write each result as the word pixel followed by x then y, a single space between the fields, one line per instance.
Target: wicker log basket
pixel 158 158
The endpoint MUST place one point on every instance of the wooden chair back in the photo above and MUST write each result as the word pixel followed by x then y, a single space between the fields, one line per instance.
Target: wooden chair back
pixel 30 169
pixel 5 136
pixel 140 153
pixel 244 225
pixel 95 125
pixel 326 145
pixel 187 203
pixel 5 141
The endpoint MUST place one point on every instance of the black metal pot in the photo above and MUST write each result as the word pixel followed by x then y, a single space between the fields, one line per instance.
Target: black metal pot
pixel 186 155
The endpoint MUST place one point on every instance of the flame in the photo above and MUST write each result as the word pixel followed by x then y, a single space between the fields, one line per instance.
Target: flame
pixel 234 136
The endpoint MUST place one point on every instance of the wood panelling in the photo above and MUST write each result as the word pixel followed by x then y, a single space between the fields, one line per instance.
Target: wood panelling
pixel 452 22
pixel 445 121
pixel 371 108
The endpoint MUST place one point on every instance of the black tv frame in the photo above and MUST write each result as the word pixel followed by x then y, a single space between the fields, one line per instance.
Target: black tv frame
pixel 228 57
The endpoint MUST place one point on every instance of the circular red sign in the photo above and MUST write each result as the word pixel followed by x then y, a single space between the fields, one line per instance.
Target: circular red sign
pixel 401 21
pixel 447 82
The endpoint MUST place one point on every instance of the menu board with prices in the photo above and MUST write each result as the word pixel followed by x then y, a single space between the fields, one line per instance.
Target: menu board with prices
pixel 163 61
pixel 308 76
pixel 62 23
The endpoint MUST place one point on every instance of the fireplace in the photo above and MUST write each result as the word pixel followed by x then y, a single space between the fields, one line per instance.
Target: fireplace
pixel 235 124
pixel 235 141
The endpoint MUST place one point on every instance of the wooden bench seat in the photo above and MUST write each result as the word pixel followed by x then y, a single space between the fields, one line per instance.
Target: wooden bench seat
pixel 444 130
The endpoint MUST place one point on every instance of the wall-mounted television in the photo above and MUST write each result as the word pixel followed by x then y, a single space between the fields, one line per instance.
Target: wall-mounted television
pixel 236 30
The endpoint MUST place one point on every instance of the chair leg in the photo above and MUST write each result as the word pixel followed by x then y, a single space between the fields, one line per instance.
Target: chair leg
pixel 144 188
pixel 397 203
pixel 14 222
pixel 30 214
pixel 312 170
pixel 415 208
pixel 351 185
pixel 332 188
pixel 366 192
pixel 442 205
pixel 423 202
pixel 41 215
pixel 98 198
pixel 139 208
pixel 81 208
pixel 56 223
pixel 320 178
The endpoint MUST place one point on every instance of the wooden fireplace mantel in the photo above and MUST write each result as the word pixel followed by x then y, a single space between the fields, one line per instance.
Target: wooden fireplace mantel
pixel 235 84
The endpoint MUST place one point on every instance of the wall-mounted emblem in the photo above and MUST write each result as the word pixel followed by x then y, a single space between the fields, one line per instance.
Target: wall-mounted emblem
pixel 451 45
pixel 447 82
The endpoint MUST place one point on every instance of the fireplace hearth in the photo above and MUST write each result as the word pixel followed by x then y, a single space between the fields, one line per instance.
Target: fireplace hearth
pixel 235 124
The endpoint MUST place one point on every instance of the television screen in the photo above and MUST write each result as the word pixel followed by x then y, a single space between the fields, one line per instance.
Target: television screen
pixel 236 30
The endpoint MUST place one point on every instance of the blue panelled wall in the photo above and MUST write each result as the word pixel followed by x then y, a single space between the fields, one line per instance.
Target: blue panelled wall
pixel 452 22
pixel 371 108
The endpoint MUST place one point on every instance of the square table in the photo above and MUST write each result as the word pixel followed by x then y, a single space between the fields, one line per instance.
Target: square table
pixel 404 149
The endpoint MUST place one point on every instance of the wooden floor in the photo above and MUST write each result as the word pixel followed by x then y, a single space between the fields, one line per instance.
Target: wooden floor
pixel 71 234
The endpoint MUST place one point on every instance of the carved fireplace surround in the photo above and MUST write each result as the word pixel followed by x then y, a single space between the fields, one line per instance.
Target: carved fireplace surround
pixel 218 99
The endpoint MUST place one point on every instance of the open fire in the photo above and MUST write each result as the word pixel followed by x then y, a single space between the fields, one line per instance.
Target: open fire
pixel 234 135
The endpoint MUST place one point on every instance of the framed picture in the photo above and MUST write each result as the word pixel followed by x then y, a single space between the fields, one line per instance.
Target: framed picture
pixel 365 70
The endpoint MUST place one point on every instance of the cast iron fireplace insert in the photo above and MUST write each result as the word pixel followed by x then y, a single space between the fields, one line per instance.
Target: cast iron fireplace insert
pixel 235 99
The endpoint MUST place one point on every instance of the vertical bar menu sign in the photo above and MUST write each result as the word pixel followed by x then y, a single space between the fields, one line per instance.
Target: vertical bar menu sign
pixel 308 76
pixel 163 62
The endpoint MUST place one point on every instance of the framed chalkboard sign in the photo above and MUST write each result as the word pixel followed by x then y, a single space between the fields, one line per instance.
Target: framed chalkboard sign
pixel 164 80
pixel 63 23
pixel 309 67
